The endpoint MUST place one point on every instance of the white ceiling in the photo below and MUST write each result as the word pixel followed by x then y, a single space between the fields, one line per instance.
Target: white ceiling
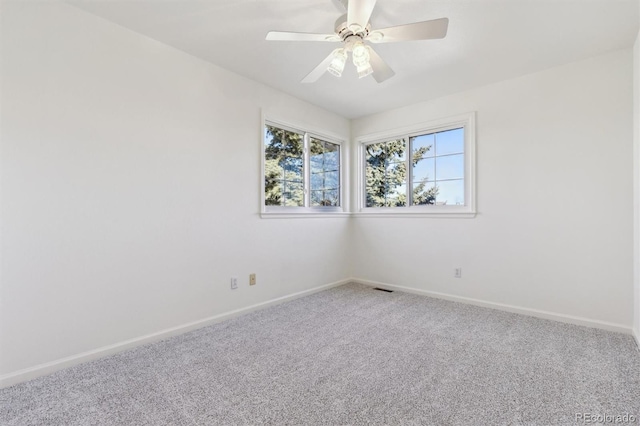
pixel 488 41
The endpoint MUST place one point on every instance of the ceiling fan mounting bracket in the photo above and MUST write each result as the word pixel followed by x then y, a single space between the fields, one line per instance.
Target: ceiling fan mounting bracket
pixel 344 32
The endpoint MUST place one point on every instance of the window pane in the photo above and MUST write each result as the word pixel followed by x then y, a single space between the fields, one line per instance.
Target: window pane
pixel 331 147
pixel 284 167
pixel 375 176
pixel 316 156
pixel 450 167
pixel 280 143
pixel 375 172
pixel 293 194
pixel 328 180
pixel 292 168
pixel 272 170
pixel 395 151
pixel 373 199
pixel 424 193
pixel 424 170
pixel 324 156
pixel 395 183
pixel 332 160
pixel 396 172
pixel 332 197
pixel 450 142
pixel 386 174
pixel 450 192
pixel 397 196
pixel 324 161
pixel 273 192
pixel 386 197
pixel 331 156
pixel 316 163
pixel 374 196
pixel 317 181
pixel 325 198
pixel 316 198
pixel 331 180
pixel 376 189
pixel 374 154
pixel 423 146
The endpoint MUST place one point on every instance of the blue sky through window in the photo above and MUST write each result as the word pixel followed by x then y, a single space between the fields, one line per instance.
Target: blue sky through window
pixel 442 165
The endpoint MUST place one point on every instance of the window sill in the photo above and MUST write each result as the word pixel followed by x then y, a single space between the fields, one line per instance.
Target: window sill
pixel 376 213
pixel 304 214
pixel 372 214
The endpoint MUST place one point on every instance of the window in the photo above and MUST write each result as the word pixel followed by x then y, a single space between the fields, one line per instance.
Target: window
pixel 432 163
pixel 427 170
pixel 301 172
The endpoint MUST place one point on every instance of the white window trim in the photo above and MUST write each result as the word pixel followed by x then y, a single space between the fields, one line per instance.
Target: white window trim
pixel 468 210
pixel 283 212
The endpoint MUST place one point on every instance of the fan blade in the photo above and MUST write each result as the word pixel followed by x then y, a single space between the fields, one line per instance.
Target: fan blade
pixel 359 12
pixel 426 30
pixel 381 70
pixel 288 36
pixel 319 70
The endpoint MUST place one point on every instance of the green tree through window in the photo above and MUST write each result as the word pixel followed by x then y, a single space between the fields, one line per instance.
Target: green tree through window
pixel 386 175
pixel 283 174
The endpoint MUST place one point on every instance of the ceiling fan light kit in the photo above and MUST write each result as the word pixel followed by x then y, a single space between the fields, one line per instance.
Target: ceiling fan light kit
pixel 353 29
pixel 338 62
pixel 361 59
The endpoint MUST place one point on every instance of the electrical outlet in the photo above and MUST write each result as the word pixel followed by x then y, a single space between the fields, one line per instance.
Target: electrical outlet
pixel 252 279
pixel 234 283
pixel 458 273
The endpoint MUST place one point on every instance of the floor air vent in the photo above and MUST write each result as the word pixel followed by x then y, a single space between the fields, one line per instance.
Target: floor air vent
pixel 383 289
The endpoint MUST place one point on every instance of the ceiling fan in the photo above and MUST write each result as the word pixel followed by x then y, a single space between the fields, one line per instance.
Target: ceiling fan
pixel 353 30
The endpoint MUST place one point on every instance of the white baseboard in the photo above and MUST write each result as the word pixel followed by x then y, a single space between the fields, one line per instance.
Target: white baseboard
pixel 570 319
pixel 53 366
pixel 636 335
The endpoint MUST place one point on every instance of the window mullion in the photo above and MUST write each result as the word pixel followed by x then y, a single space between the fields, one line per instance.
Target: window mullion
pixel 362 188
pixel 409 174
pixel 435 165
pixel 385 174
pixel 307 170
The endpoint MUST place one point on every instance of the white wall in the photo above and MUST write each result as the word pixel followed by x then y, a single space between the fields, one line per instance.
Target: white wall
pixel 121 215
pixel 130 189
pixel 554 230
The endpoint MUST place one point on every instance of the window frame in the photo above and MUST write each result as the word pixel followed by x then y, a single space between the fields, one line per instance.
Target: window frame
pixel 468 210
pixel 307 210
